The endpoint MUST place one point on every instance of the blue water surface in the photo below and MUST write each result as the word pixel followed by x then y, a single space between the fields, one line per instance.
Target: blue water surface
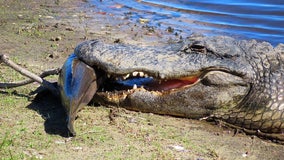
pixel 246 19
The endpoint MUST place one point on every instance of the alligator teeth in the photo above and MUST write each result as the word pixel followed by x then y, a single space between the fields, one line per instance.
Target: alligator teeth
pixel 141 74
pixel 162 76
pixel 135 73
pixel 134 86
pixel 125 77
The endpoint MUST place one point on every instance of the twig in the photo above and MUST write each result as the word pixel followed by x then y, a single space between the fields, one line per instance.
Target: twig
pixel 32 76
pixel 28 81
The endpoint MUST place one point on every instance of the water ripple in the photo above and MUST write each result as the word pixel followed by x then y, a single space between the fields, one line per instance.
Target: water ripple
pixel 258 19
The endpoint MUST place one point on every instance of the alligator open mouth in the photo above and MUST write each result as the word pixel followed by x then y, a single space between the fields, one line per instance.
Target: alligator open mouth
pixel 139 79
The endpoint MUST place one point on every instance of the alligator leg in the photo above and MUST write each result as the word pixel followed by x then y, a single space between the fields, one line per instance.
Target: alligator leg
pixel 77 85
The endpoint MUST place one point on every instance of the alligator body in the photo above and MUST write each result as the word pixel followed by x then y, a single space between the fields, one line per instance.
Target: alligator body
pixel 238 82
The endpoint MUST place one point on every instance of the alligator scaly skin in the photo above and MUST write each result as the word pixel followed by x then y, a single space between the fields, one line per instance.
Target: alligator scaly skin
pixel 262 110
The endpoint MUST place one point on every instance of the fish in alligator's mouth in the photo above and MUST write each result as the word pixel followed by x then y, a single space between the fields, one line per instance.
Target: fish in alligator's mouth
pixel 216 77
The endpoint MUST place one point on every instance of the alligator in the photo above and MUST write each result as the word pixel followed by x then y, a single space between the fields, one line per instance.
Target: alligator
pixel 238 82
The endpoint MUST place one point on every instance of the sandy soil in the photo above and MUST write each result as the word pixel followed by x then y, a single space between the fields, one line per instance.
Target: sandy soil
pixel 39 35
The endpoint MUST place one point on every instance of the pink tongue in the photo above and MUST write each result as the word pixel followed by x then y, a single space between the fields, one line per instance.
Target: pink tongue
pixel 172 84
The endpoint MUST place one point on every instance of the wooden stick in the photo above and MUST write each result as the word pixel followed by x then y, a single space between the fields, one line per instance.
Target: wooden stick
pixel 24 72
pixel 28 81
pixel 19 69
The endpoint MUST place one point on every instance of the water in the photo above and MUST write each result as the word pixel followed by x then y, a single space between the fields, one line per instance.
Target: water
pixel 258 19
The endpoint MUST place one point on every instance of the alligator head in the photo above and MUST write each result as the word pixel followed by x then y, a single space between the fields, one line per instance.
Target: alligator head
pixel 196 78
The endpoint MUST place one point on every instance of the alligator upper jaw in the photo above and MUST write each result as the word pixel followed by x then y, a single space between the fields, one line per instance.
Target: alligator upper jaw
pixel 170 61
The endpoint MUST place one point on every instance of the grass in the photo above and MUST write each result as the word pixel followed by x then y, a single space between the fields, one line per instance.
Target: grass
pixel 15 122
pixel 133 134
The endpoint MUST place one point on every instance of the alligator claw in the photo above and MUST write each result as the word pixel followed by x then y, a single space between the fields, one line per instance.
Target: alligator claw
pixel 77 84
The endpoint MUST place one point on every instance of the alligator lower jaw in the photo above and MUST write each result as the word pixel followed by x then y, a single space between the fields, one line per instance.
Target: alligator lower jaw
pixel 116 97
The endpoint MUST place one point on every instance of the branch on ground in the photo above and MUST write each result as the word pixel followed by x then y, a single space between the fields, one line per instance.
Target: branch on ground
pixel 28 81
pixel 33 77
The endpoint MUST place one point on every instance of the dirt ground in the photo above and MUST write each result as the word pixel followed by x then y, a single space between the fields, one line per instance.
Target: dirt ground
pixel 39 35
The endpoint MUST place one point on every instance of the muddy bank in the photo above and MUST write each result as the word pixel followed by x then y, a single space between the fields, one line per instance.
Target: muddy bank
pixel 40 35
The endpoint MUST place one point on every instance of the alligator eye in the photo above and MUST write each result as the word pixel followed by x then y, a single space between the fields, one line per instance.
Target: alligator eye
pixel 195 47
pixel 198 47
